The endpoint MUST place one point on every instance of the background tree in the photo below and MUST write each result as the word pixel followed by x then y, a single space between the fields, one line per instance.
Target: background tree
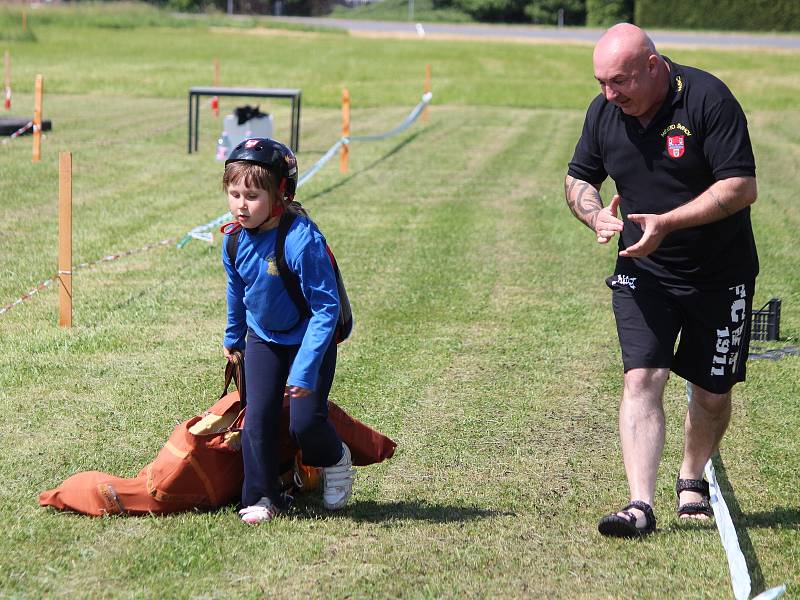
pixel 545 12
pixel 604 13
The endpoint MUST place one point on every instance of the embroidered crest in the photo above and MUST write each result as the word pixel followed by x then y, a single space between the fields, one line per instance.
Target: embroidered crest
pixel 675 145
pixel 272 266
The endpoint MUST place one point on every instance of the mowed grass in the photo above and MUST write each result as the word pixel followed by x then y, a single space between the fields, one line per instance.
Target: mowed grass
pixel 485 345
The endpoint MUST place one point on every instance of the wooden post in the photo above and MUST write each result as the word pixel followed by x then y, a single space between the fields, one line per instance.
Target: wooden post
pixel 65 239
pixel 37 120
pixel 345 155
pixel 24 21
pixel 7 80
pixel 426 89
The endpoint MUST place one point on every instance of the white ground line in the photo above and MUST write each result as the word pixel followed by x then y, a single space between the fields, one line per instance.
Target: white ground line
pixel 737 565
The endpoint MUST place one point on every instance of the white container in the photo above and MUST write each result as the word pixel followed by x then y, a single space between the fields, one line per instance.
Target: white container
pixel 260 127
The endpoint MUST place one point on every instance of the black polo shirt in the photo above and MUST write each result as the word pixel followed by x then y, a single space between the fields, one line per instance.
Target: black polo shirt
pixel 698 136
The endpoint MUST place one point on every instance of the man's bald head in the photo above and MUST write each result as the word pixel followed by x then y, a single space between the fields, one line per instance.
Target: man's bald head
pixel 630 71
pixel 626 41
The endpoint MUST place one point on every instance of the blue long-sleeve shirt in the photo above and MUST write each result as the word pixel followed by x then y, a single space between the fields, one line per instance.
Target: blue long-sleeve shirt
pixel 258 299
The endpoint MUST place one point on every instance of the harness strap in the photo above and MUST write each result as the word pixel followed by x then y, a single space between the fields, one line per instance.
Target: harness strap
pixel 290 279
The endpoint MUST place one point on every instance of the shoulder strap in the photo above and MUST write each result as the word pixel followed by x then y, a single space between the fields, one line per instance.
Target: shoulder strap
pixel 290 279
pixel 232 246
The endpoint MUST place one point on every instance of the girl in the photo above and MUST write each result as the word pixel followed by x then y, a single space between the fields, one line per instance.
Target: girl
pixel 287 352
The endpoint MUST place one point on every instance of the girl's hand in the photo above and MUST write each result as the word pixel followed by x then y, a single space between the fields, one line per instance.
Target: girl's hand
pixel 229 355
pixel 295 391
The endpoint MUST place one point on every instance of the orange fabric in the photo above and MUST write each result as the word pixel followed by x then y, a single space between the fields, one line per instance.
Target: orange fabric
pixel 204 470
pixel 367 446
pixel 94 493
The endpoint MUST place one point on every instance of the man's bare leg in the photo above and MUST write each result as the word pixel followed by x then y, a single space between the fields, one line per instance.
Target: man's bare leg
pixel 641 430
pixel 707 419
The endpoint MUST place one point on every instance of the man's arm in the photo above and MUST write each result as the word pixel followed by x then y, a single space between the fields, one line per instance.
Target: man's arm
pixel 723 199
pixel 583 199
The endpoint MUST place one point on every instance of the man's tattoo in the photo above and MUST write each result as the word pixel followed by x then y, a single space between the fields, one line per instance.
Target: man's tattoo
pixel 719 204
pixel 583 200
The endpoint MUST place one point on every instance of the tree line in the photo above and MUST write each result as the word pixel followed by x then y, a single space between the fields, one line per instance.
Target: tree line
pixel 743 15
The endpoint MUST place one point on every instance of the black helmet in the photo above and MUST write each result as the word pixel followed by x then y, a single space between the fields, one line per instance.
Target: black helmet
pixel 273 156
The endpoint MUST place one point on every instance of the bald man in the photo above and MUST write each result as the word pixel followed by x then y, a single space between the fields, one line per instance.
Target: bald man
pixel 674 140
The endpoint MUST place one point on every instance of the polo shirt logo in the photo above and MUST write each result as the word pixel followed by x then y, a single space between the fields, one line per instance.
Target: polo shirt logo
pixel 675 145
pixel 624 280
pixel 678 126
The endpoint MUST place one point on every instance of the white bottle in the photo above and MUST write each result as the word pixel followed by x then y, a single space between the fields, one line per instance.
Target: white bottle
pixel 223 146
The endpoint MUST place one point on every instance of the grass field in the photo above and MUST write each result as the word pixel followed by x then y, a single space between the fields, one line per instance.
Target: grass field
pixel 485 344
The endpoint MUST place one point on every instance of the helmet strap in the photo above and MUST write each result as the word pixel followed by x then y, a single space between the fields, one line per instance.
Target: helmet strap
pixel 277 209
pixel 230 228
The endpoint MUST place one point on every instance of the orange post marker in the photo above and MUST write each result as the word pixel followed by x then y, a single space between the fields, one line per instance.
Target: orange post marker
pixel 215 99
pixel 65 239
pixel 426 89
pixel 7 81
pixel 345 154
pixel 37 120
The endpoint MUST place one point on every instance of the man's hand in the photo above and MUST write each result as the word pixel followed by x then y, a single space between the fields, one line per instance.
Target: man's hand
pixel 653 233
pixel 606 225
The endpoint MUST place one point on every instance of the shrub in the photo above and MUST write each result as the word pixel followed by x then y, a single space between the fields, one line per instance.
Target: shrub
pixel 604 13
pixel 752 15
pixel 546 11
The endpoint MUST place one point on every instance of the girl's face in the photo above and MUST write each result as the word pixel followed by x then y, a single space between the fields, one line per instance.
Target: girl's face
pixel 250 206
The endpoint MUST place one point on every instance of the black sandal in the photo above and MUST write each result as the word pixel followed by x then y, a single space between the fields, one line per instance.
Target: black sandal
pixel 693 508
pixel 625 526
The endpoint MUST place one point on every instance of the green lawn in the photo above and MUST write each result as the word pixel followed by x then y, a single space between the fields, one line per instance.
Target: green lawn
pixel 484 345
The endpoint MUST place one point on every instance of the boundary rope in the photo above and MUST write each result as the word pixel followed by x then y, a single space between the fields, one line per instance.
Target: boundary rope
pixel 108 258
pixel 202 232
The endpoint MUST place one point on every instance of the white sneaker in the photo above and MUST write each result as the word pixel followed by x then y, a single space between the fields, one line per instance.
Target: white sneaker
pixel 263 510
pixel 338 481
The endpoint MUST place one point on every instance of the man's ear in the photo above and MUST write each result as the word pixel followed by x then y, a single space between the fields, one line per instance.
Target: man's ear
pixel 652 65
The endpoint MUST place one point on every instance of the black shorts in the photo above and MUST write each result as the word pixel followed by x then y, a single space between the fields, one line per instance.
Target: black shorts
pixel 712 328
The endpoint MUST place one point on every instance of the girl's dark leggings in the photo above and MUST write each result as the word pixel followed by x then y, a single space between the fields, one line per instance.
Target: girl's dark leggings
pixel 266 367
